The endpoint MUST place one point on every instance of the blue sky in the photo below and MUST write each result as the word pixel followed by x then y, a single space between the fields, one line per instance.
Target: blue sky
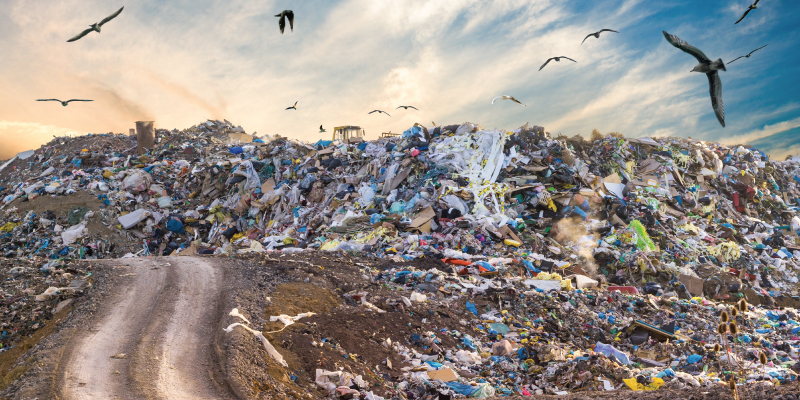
pixel 181 62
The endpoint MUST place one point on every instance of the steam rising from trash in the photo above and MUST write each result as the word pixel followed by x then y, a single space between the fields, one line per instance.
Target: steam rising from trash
pixel 573 232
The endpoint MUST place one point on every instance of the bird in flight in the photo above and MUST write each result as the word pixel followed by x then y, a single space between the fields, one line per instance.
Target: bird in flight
pixel 597 34
pixel 406 107
pixel 751 8
pixel 555 58
pixel 63 103
pixel 294 107
pixel 707 67
pixel 321 130
pixel 96 26
pixel 282 22
pixel 378 111
pixel 748 56
pixel 507 98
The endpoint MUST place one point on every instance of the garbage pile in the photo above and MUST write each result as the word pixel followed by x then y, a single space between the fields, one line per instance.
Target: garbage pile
pixel 584 264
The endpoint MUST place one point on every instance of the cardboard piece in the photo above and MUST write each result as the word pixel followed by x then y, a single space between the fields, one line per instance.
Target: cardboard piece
pixel 397 179
pixel 693 285
pixel 654 332
pixel 268 185
pixel 445 375
pixel 422 221
pixel 505 230
pixel 613 178
pixel 648 166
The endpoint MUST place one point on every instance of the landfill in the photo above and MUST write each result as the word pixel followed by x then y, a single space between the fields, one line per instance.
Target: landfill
pixel 506 262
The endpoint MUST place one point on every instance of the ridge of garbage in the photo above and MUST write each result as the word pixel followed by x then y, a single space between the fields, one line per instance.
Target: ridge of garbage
pixel 576 264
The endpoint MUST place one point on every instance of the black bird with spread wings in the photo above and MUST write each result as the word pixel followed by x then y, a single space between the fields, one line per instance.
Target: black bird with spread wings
pixel 751 8
pixel 294 107
pixel 96 26
pixel 282 21
pixel 63 103
pixel 707 67
pixel 321 130
pixel 378 111
pixel 557 59
pixel 406 107
pixel 597 34
pixel 748 56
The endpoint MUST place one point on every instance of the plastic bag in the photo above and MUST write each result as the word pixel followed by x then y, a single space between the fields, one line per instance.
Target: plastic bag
pixel 484 390
pixel 246 169
pixel 397 207
pixel 609 350
pixel 367 195
pixel 72 234
pixel 137 182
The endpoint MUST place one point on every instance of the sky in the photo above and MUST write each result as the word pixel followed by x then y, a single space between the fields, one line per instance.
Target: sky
pixel 181 62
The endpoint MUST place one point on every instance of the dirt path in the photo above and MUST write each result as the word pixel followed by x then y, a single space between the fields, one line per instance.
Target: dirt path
pixel 163 321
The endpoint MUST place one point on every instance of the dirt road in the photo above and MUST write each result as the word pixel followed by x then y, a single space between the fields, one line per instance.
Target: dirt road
pixel 154 339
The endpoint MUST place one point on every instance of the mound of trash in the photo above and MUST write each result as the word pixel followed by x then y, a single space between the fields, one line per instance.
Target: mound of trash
pixel 576 264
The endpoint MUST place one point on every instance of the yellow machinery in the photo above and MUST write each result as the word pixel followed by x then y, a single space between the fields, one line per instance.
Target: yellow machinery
pixel 348 134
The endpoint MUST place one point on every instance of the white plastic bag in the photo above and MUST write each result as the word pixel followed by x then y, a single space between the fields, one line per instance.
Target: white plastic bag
pixel 138 181
pixel 74 233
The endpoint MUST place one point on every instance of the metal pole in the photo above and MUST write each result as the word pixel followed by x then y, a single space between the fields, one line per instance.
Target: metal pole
pixel 145 136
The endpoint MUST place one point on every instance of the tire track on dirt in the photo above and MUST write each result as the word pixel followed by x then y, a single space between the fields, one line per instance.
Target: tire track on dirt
pixel 164 319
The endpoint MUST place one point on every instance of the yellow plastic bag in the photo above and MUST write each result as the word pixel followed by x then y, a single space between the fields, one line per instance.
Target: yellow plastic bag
pixel 655 384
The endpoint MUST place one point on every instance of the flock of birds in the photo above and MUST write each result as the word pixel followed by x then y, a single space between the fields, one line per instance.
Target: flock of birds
pixel 706 65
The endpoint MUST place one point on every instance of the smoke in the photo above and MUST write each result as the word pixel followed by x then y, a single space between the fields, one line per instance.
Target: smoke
pixel 572 232
pixel 215 112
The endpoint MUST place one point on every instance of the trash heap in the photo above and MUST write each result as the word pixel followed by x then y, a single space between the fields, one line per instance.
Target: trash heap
pixel 584 264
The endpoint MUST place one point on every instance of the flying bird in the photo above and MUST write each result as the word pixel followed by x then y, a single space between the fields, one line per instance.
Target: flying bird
pixel 282 22
pixel 378 111
pixel 321 130
pixel 406 107
pixel 507 98
pixel 294 107
pixel 555 58
pixel 597 34
pixel 751 8
pixel 707 67
pixel 748 56
pixel 63 103
pixel 96 26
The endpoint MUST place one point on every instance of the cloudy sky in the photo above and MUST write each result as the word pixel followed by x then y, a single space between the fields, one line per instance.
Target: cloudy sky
pixel 180 62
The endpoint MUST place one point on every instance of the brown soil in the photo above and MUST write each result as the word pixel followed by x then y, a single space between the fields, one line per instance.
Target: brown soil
pixel 8 359
pixel 59 205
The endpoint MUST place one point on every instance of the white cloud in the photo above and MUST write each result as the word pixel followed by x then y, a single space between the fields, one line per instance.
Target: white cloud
pixel 179 65
pixel 766 131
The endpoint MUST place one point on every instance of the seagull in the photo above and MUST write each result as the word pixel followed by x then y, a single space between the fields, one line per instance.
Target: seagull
pixel 294 107
pixel 751 8
pixel 597 34
pixel 507 98
pixel 378 111
pixel 321 130
pixel 748 56
pixel 707 67
pixel 96 26
pixel 63 103
pixel 555 58
pixel 406 107
pixel 282 21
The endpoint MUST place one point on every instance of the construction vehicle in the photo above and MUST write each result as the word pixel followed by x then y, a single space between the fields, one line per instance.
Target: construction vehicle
pixel 348 134
pixel 389 134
